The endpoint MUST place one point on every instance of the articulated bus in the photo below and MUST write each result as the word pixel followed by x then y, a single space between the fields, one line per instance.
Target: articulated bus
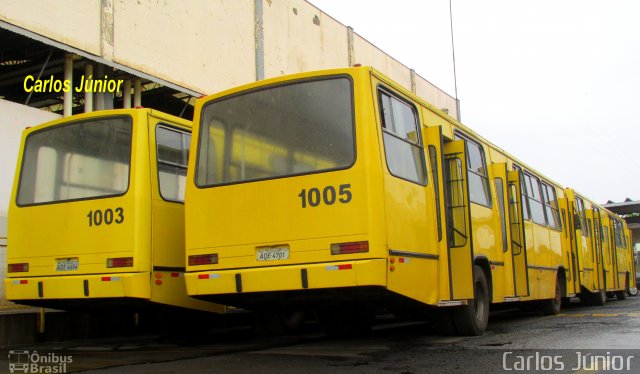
pixel 339 191
pixel 600 252
pixel 623 257
pixel 633 287
pixel 97 216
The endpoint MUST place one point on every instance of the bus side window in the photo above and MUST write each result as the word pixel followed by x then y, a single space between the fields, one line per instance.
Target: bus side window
pixel 551 206
pixel 535 200
pixel 584 228
pixel 172 155
pixel 525 202
pixel 402 142
pixel 479 190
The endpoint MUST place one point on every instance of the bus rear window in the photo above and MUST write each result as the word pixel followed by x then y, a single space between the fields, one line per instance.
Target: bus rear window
pixel 80 160
pixel 294 129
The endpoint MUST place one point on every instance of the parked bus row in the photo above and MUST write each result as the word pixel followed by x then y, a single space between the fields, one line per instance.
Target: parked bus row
pixel 335 192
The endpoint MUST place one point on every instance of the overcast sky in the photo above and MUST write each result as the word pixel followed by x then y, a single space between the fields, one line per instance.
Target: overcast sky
pixel 554 82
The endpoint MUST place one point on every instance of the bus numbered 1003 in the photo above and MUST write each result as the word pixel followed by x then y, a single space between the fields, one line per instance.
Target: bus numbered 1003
pixel 97 217
pixel 338 191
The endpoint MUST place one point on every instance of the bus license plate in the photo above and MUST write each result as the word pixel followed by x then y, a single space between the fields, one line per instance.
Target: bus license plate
pixel 272 253
pixel 69 264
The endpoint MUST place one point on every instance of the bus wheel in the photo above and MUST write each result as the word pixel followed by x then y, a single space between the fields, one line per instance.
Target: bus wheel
pixel 622 295
pixel 472 319
pixel 632 291
pixel 598 298
pixel 552 307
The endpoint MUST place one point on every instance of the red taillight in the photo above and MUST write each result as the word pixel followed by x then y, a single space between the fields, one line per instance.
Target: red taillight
pixel 18 268
pixel 208 259
pixel 120 262
pixel 348 248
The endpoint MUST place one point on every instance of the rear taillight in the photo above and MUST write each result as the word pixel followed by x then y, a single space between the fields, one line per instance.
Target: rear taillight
pixel 207 259
pixel 18 268
pixel 348 248
pixel 120 262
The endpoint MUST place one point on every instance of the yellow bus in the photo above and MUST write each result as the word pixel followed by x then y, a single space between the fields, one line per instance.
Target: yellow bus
pixel 342 192
pixel 599 251
pixel 623 260
pixel 635 267
pixel 587 252
pixel 97 216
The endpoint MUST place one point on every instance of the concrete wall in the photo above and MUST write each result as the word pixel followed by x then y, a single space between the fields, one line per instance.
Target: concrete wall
pixel 73 22
pixel 208 46
pixel 299 37
pixel 14 119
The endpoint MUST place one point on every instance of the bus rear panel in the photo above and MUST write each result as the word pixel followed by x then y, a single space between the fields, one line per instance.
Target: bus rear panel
pixel 83 223
pixel 284 166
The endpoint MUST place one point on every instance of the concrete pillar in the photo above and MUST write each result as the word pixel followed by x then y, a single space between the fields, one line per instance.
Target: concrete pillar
pixel 88 96
pixel 412 75
pixel 68 77
pixel 103 100
pixel 137 93
pixel 259 37
pixel 350 49
pixel 99 98
pixel 126 94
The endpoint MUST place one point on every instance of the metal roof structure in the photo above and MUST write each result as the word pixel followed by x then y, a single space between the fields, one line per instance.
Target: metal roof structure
pixel 628 209
pixel 24 53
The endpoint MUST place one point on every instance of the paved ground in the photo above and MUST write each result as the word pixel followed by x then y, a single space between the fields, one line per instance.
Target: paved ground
pixel 579 339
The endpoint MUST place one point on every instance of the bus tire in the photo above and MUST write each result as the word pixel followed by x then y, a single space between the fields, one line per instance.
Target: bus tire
pixel 632 291
pixel 472 319
pixel 552 307
pixel 598 298
pixel 622 295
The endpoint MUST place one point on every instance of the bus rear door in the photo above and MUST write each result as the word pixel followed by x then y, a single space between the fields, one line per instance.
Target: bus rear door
pixel 458 218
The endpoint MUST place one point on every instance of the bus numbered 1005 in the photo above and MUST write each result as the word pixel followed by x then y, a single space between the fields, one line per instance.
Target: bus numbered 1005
pixel 340 192
pixel 97 217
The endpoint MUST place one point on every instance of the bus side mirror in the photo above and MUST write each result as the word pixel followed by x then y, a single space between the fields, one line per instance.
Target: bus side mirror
pixel 577 225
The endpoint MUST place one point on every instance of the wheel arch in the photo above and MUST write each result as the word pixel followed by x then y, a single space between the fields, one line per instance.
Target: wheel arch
pixel 485 265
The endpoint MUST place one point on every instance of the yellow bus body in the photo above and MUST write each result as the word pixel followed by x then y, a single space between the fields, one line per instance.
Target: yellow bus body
pixel 602 260
pixel 136 224
pixel 623 260
pixel 412 251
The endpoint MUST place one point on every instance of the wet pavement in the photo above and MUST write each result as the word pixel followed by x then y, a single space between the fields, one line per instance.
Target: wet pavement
pixel 577 340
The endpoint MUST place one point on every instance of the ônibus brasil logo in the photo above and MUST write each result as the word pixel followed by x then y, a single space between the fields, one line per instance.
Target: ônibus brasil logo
pixel 23 361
